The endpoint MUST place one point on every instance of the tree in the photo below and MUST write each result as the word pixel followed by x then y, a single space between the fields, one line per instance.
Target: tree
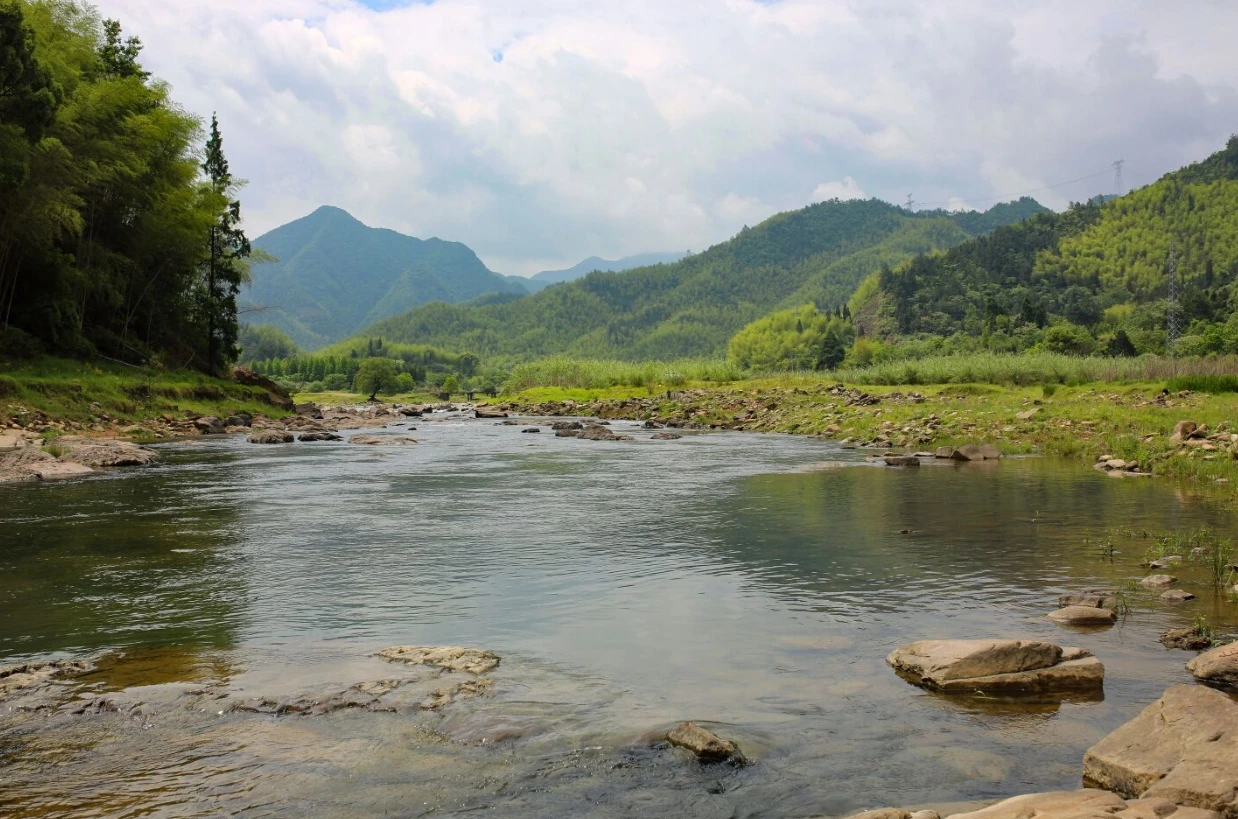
pixel 228 249
pixel 120 57
pixel 375 375
pixel 451 385
pixel 261 342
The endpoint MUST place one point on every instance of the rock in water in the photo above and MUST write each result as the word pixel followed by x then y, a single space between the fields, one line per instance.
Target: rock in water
pixel 1217 667
pixel 1176 596
pixel 380 440
pixel 103 452
pixel 1100 600
pixel 15 678
pixel 1185 638
pixel 1158 581
pixel 1182 748
pixel 270 436
pixel 1083 616
pixel 452 658
pixel 997 666
pixel 318 436
pixel 976 452
pixel 708 746
pixel 901 460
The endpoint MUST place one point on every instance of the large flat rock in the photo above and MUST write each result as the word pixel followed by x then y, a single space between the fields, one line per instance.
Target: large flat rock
pixel 1218 666
pixel 1182 748
pixel 997 666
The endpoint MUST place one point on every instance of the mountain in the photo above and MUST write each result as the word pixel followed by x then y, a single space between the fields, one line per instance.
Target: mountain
pixel 539 281
pixel 693 306
pixel 1099 267
pixel 335 275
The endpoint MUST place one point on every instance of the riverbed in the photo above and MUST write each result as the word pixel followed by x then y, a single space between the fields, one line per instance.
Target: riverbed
pixel 751 582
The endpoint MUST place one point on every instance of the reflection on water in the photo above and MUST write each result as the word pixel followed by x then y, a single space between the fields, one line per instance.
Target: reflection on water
pixel 722 577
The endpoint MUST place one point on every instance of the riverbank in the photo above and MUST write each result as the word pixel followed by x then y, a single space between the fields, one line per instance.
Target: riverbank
pixel 1131 422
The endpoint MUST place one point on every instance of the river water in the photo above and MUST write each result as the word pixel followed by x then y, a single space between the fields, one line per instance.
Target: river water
pixel 752 582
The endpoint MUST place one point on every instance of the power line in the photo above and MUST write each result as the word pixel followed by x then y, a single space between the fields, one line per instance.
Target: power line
pixel 1008 196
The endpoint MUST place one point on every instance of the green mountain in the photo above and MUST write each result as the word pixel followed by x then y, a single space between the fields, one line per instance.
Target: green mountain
pixel 335 275
pixel 1101 267
pixel 540 281
pixel 693 306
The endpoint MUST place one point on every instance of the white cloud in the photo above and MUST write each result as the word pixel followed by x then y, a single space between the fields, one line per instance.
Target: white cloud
pixel 845 188
pixel 556 129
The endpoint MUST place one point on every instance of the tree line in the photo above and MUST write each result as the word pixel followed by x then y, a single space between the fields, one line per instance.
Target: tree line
pixel 120 230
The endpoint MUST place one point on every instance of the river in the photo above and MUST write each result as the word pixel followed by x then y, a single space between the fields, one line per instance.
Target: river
pixel 752 582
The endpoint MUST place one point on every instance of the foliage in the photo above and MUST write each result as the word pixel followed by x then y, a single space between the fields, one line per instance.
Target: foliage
pixel 262 342
pixel 104 219
pixel 375 375
pixel 450 385
pixel 576 373
pixel 333 276
pixel 228 248
pixel 802 338
pixel 694 306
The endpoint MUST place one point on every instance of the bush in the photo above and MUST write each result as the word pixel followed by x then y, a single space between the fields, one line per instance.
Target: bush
pixel 1068 339
pixel 336 382
pixel 404 383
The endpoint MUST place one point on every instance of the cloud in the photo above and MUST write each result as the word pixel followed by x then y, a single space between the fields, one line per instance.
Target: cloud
pixel 619 127
pixel 843 189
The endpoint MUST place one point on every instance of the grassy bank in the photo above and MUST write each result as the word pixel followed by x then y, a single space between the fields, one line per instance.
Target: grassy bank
pixel 77 395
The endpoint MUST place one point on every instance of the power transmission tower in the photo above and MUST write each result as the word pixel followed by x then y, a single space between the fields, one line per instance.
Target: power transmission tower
pixel 1171 314
pixel 1118 188
pixel 911 203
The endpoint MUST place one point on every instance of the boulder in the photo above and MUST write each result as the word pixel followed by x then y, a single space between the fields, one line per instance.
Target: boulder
pixel 944 452
pixel 378 440
pixel 1096 599
pixel 1158 581
pixel 103 452
pixel 209 425
pixel 1217 667
pixel 530 429
pixel 975 452
pixel 1182 431
pixel 488 412
pixel 1188 639
pixel 1088 803
pixel 270 436
pixel 1027 414
pixel 665 436
pixel 53 470
pixel 1083 616
pixel 1182 748
pixel 309 409
pixel 997 666
pixel 901 460
pixel 318 436
pixel 452 658
pixel 708 746
pixel 1165 562
pixel 558 426
pixel 1176 596
pixel 237 420
pixel 275 394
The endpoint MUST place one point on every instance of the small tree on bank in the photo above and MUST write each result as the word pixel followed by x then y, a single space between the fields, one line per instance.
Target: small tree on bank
pixel 375 375
pixel 228 249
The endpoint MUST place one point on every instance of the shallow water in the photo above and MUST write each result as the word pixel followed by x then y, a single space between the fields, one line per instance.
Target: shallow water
pixel 756 582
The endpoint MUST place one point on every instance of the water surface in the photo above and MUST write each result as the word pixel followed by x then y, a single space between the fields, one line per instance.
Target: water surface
pixel 755 582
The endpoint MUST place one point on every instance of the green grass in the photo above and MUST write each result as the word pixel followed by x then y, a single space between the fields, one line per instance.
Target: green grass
pixel 73 391
pixel 1214 384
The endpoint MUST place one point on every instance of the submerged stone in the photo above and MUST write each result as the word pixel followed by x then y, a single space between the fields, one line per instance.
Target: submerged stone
pixel 708 746
pixel 1083 616
pixel 997 666
pixel 452 658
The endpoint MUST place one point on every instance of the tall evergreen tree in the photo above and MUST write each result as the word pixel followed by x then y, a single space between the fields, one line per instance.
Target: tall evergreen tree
pixel 228 249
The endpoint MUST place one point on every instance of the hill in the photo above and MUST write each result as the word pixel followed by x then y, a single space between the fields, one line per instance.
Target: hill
pixel 692 307
pixel 335 275
pixel 539 281
pixel 1092 271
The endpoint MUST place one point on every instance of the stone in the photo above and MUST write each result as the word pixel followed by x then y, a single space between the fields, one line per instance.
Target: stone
pixel 318 436
pixel 901 460
pixel 209 425
pixel 103 452
pixel 665 436
pixel 1165 562
pixel 1182 748
pixel 380 440
pixel 530 429
pixel 1216 667
pixel 882 813
pixel 567 433
pixel 1082 804
pixel 708 746
pixel 1176 596
pixel 275 394
pixel 1028 414
pixel 54 470
pixel 976 452
pixel 14 678
pixel 1188 639
pixel 237 420
pixel 944 452
pixel 1100 600
pixel 558 426
pixel 1182 431
pixel 452 658
pixel 270 436
pixel 1083 616
pixel 488 412
pixel 1158 581
pixel 1115 463
pixel 997 666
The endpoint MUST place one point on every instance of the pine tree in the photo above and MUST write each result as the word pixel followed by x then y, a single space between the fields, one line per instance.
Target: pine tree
pixel 228 247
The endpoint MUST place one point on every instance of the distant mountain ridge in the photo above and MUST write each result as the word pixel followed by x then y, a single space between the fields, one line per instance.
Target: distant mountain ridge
pixel 336 275
pixel 546 278
pixel 693 306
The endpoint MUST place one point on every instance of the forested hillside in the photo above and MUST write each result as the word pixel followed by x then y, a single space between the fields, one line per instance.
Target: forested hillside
pixel 114 239
pixel 1092 278
pixel 694 306
pixel 335 275
pixel 539 281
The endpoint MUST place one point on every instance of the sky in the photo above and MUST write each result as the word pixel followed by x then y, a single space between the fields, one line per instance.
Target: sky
pixel 540 132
